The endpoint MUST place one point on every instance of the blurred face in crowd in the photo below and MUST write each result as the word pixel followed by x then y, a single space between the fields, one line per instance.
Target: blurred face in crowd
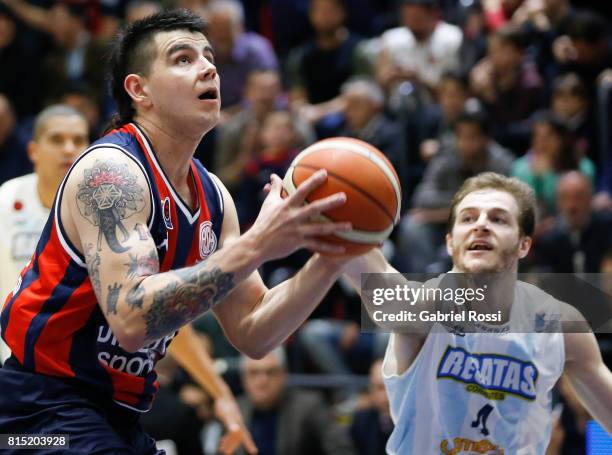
pixel 510 6
pixel 421 20
pixel 85 105
pixel 264 381
pixel 7 31
pixel 277 131
pixel 65 27
pixel 472 142
pixel 222 31
pixel 546 141
pixel 553 6
pixel 262 90
pixel 486 235
pixel 56 146
pixel 377 389
pixel 574 199
pixel 568 105
pixel 503 55
pixel 7 119
pixel 452 97
pixel 140 11
pixel 326 16
pixel 360 108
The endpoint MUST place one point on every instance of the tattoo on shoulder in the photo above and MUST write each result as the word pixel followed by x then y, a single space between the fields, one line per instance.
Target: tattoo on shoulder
pixel 185 298
pixel 143 265
pixel 92 258
pixel 108 194
pixel 112 298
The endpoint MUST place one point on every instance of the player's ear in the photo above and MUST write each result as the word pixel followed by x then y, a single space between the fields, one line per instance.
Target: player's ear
pixel 135 86
pixel 33 151
pixel 449 244
pixel 524 246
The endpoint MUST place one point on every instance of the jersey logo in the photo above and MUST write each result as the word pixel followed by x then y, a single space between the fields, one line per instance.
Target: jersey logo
pixel 166 213
pixel 464 445
pixel 482 417
pixel 489 373
pixel 208 239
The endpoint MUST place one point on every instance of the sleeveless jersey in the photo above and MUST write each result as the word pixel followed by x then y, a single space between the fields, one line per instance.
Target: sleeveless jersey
pixel 479 393
pixel 52 321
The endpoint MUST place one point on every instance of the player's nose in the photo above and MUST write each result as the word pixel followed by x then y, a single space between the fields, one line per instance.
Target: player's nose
pixel 207 70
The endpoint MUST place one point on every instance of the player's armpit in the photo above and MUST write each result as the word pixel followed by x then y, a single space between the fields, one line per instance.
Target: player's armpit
pixel 105 209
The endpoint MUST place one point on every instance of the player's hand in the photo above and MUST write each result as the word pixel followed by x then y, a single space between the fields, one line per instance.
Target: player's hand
pixel 227 411
pixel 286 225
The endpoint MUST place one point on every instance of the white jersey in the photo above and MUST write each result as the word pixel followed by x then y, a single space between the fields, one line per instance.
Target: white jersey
pixel 479 393
pixel 23 219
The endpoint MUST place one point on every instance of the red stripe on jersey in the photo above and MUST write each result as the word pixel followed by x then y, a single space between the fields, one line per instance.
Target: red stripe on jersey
pixel 25 270
pixel 53 260
pixel 57 336
pixel 126 388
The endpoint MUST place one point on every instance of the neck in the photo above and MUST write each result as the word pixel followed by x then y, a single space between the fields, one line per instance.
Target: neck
pixel 46 191
pixel 174 150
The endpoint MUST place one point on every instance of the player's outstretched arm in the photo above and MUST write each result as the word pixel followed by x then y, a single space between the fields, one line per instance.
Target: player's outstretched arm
pixel 588 374
pixel 105 209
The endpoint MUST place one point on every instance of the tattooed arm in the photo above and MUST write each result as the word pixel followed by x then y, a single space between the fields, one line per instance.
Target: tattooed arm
pixel 105 209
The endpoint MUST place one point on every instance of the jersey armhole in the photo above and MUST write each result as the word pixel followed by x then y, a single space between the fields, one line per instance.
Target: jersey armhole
pixel 68 246
pixel 389 366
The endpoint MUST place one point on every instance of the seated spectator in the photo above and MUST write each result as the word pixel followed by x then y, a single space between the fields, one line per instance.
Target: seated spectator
pixel 372 426
pixel 277 152
pixel 139 9
pixel 422 230
pixel 421 49
pixel 283 420
pixel 509 85
pixel 451 94
pixel 552 152
pixel 580 236
pixel 237 52
pixel 238 140
pixel 570 103
pixel 318 68
pixel 364 119
pixel 14 161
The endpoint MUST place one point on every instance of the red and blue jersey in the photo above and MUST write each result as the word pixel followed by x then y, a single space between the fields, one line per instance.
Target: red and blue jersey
pixel 52 321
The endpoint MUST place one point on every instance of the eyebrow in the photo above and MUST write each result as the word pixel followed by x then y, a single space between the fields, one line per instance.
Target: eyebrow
pixel 185 46
pixel 492 209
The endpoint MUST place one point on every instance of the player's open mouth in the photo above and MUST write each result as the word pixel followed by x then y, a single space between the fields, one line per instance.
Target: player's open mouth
pixel 210 94
pixel 480 246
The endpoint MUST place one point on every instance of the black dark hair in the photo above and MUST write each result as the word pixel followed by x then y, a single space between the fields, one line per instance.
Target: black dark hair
pixel 133 53
pixel 458 77
pixel 569 83
pixel 587 26
pixel 478 118
pixel 512 35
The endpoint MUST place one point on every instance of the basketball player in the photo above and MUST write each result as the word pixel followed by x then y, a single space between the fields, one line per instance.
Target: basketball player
pixel 487 393
pixel 60 133
pixel 129 254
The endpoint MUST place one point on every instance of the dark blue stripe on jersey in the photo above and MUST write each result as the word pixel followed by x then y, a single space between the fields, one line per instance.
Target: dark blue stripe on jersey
pixel 185 240
pixel 72 279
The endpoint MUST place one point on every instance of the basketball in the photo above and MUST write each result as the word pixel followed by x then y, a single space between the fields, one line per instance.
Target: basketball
pixel 373 191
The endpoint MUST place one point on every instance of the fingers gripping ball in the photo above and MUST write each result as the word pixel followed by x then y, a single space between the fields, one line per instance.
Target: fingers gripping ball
pixel 366 176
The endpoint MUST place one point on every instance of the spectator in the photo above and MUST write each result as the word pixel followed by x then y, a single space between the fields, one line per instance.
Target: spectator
pixel 570 103
pixel 237 52
pixel 285 421
pixel 552 152
pixel 277 140
pixel 421 50
pixel 372 426
pixel 509 85
pixel 364 103
pixel 138 9
pixel 18 82
pixel 500 16
pixel 238 140
pixel 318 68
pixel 580 236
pixel 13 158
pixel 423 229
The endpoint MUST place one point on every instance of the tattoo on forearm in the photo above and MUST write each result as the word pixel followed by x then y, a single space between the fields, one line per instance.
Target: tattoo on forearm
pixel 135 297
pixel 108 195
pixel 93 267
pixel 143 265
pixel 112 298
pixel 188 296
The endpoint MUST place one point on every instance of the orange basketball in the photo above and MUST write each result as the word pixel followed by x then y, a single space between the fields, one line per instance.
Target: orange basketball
pixel 373 192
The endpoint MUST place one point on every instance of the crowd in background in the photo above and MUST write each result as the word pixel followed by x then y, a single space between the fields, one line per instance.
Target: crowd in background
pixel 446 89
